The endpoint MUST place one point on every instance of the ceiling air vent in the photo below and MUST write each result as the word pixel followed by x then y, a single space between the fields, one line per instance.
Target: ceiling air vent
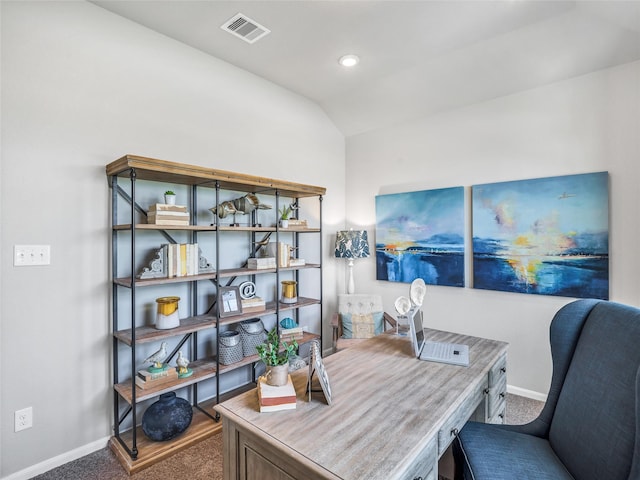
pixel 242 26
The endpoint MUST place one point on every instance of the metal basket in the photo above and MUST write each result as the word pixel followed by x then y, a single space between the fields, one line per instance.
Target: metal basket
pixel 252 334
pixel 253 325
pixel 230 347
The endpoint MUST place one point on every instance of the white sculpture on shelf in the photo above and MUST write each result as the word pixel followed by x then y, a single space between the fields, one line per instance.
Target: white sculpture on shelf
pixel 183 366
pixel 157 358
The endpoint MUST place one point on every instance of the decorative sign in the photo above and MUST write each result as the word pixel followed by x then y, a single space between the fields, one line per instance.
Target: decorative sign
pixel 247 290
pixel 316 364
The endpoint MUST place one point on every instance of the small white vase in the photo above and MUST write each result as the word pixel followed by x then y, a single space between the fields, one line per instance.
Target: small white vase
pixel 284 223
pixel 170 199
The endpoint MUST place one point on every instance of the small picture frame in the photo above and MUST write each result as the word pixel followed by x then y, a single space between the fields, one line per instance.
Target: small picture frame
pixel 230 303
pixel 316 365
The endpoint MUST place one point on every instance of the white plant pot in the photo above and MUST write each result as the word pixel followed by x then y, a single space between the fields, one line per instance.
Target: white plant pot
pixel 170 199
pixel 278 375
pixel 284 223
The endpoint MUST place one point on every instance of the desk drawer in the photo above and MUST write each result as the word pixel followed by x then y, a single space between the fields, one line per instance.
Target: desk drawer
pixel 423 465
pixel 499 416
pixel 496 398
pixel 497 388
pixel 498 372
pixel 457 420
pixel 430 476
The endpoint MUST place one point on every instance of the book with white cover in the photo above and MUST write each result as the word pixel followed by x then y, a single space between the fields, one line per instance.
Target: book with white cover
pixel 165 207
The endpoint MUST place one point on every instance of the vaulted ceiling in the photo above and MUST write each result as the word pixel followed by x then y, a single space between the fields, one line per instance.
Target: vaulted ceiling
pixel 417 57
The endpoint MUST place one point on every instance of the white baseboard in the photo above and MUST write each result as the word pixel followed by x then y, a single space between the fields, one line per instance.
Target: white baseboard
pixel 54 462
pixel 523 392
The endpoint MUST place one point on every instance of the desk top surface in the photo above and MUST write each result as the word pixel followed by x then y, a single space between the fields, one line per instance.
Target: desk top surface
pixel 386 405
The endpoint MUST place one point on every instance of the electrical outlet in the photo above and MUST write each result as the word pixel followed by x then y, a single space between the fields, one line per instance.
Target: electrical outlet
pixel 27 255
pixel 23 419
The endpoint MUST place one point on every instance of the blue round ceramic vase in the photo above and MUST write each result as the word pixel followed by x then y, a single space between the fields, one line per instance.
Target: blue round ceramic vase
pixel 167 418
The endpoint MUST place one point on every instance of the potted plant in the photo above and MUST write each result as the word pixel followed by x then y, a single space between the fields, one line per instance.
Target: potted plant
pixel 275 359
pixel 169 197
pixel 284 216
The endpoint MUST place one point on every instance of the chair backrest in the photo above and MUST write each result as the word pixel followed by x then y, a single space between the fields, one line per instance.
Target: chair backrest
pixel 594 429
pixel 359 304
pixel 361 316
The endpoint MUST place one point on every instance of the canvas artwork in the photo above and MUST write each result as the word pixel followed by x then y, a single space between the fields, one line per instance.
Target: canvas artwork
pixel 547 236
pixel 421 235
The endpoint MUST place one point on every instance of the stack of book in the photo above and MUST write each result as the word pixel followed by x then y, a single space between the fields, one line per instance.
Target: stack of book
pixel 272 399
pixel 261 263
pixel 165 214
pixel 283 254
pixel 295 222
pixel 182 259
pixel 288 334
pixel 146 379
pixel 253 304
pixel 281 251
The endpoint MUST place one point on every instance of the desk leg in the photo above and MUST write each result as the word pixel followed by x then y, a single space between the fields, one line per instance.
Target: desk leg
pixel 230 470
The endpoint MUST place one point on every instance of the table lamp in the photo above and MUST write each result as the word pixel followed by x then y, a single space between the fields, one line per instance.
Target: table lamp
pixel 351 244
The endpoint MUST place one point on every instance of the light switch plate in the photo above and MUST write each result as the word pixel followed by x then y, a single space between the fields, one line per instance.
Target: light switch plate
pixel 28 255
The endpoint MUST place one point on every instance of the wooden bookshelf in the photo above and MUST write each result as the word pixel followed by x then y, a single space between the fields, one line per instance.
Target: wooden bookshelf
pixel 194 329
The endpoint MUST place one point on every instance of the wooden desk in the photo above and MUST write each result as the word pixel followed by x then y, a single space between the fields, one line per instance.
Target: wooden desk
pixel 391 417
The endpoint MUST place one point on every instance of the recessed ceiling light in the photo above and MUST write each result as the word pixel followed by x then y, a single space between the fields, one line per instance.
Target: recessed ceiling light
pixel 349 60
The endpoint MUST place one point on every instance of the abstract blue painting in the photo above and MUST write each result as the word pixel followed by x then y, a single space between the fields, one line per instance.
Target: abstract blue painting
pixel 421 235
pixel 547 236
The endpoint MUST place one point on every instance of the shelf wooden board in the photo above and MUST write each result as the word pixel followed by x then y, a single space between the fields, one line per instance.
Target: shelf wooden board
pixel 150 226
pixel 203 369
pixel 151 334
pixel 269 310
pixel 228 228
pixel 302 302
pixel 146 334
pixel 226 273
pixel 172 172
pixel 151 452
pixel 212 228
pixel 126 281
pixel 236 272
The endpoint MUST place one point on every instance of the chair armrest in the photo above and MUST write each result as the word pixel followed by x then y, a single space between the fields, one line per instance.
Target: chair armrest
pixel 336 329
pixel 335 320
pixel 390 320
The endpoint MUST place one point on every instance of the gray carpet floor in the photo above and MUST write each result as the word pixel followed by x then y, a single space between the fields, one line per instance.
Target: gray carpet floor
pixel 204 460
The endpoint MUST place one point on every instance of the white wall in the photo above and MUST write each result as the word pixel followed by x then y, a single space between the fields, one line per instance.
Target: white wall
pixel 80 88
pixel 587 124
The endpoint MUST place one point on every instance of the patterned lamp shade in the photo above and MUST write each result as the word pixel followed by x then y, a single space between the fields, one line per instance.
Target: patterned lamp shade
pixel 352 244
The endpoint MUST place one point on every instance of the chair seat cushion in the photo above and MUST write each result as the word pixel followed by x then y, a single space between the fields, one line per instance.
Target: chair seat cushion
pixel 491 452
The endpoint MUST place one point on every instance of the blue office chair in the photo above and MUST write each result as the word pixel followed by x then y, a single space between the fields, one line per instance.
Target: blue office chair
pixel 589 428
